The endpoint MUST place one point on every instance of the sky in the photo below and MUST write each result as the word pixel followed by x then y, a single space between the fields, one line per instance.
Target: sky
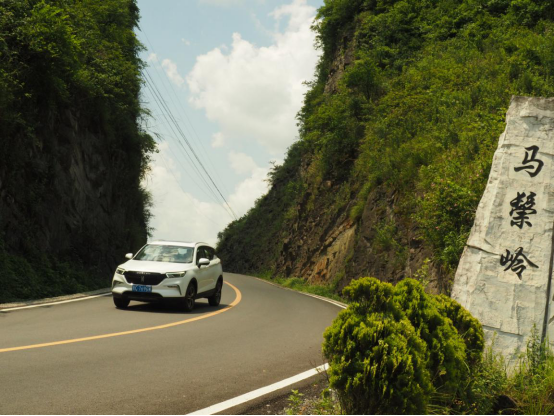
pixel 226 76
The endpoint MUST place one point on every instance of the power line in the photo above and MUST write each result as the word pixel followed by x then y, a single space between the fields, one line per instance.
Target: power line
pixel 180 186
pixel 165 83
pixel 163 106
pixel 171 126
pixel 189 175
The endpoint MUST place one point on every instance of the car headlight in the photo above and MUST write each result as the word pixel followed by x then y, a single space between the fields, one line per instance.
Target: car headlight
pixel 120 271
pixel 176 274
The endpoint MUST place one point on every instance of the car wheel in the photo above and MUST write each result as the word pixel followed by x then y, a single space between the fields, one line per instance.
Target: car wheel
pixel 121 303
pixel 190 296
pixel 216 297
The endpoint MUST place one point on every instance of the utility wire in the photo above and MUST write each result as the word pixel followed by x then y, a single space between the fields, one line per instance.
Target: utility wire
pixel 171 126
pixel 163 108
pixel 183 166
pixel 195 135
pixel 163 104
pixel 187 194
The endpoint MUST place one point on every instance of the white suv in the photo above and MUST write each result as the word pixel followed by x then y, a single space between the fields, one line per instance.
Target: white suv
pixel 169 270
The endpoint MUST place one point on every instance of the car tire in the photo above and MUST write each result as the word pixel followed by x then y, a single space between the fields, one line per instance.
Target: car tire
pixel 190 296
pixel 215 299
pixel 121 303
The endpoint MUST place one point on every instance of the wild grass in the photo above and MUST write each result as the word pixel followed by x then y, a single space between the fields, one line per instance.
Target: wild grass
pixel 301 285
pixel 526 389
pixel 532 385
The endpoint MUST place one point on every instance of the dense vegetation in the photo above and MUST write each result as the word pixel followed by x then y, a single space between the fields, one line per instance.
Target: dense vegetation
pixel 72 152
pixel 417 112
pixel 396 346
pixel 398 350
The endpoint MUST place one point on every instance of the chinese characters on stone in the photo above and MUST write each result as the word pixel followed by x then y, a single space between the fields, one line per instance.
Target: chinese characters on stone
pixel 515 262
pixel 529 162
pixel 522 207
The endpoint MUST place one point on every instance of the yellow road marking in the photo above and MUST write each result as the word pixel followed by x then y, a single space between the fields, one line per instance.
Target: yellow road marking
pixel 134 331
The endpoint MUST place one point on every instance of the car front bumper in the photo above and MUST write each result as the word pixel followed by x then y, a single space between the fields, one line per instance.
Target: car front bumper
pixel 168 289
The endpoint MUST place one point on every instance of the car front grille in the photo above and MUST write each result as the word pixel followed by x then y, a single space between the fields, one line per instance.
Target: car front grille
pixel 142 297
pixel 141 278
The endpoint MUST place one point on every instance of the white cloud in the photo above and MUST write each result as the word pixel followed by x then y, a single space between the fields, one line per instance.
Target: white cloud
pixel 172 73
pixel 185 41
pixel 225 3
pixel 241 163
pixel 254 93
pixel 152 58
pixel 178 215
pixel 218 140
pixel 248 191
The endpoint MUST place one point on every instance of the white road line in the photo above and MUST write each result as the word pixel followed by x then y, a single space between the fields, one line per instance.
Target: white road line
pixel 38 305
pixel 334 302
pixel 220 407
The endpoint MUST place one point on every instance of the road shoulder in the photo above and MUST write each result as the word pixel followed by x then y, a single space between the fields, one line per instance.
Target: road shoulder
pixel 75 296
pixel 277 402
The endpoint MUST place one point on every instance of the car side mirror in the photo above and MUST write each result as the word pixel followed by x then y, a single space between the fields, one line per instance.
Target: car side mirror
pixel 129 256
pixel 203 262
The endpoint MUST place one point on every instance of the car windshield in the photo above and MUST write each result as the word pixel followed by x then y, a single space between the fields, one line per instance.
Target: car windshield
pixel 169 254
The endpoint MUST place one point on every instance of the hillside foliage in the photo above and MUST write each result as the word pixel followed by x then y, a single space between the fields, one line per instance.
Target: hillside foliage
pixel 417 112
pixel 71 148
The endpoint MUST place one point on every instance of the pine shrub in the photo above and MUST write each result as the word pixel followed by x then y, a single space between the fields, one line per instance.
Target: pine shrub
pixel 396 346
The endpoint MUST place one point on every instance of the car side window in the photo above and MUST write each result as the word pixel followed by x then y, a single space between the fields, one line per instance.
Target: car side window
pixel 211 251
pixel 205 252
pixel 200 254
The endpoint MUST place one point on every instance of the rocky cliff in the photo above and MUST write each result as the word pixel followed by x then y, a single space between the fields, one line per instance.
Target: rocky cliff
pixel 396 141
pixel 72 153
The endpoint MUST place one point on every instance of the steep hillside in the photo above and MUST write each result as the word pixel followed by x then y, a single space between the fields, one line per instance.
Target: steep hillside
pixel 397 135
pixel 71 150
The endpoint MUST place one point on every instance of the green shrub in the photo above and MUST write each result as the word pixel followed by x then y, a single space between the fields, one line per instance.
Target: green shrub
pixel 467 326
pixel 363 76
pixel 389 332
pixel 447 352
pixel 378 364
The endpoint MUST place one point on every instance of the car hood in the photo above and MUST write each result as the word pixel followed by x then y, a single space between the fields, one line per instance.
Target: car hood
pixel 155 266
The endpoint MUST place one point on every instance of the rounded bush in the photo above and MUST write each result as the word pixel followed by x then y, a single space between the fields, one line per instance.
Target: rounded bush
pixel 468 327
pixel 395 345
pixel 377 363
pixel 447 352
pixel 370 294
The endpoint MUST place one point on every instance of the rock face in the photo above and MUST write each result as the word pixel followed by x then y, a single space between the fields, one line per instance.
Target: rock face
pixel 81 209
pixel 72 147
pixel 504 276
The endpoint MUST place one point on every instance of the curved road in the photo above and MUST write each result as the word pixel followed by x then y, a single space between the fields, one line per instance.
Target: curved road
pixel 87 357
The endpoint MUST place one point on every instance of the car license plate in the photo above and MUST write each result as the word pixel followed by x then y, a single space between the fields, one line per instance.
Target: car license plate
pixel 142 288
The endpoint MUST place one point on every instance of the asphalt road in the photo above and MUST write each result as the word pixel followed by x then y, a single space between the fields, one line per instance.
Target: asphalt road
pixel 87 357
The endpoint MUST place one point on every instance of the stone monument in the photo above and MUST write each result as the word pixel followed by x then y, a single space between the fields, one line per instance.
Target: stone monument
pixel 505 274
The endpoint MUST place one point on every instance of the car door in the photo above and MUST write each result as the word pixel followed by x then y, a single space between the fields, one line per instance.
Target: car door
pixel 202 273
pixel 215 266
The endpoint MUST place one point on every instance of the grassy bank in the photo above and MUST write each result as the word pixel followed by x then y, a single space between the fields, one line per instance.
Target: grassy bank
pixel 301 285
pixel 528 390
